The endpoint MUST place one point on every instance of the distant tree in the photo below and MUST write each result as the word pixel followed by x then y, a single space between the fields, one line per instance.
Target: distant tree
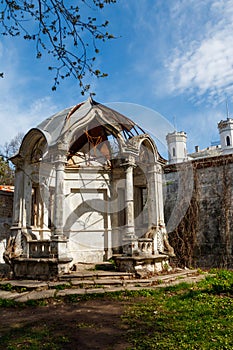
pixel 6 173
pixel 10 148
pixel 59 28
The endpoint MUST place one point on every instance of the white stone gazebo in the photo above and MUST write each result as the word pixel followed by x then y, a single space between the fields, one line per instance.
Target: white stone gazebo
pixel 88 187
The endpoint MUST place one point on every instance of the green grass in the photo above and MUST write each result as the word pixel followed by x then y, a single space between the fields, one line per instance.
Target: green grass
pixel 33 338
pixel 184 316
pixel 8 287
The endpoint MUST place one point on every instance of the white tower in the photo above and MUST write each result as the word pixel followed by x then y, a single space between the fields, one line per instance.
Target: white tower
pixel 177 149
pixel 225 128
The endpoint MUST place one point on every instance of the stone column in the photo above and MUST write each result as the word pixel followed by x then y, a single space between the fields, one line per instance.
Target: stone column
pixel 59 196
pixel 155 202
pixel 130 242
pixel 155 195
pixel 129 200
pixel 45 203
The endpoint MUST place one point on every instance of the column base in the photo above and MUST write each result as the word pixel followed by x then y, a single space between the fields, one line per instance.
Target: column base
pixel 59 247
pixel 130 245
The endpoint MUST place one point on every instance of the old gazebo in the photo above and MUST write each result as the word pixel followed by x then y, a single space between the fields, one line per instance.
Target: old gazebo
pixel 88 187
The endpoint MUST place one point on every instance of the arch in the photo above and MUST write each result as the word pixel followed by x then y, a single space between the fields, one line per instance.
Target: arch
pixel 95 119
pixel 148 152
pixel 33 145
pixel 95 140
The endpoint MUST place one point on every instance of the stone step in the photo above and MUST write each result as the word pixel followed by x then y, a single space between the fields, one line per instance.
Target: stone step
pixel 89 280
pixel 43 294
pixel 29 284
pixel 96 275
pixel 173 276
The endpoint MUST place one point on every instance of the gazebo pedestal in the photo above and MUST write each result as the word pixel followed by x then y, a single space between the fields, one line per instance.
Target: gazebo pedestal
pixel 143 266
pixel 40 268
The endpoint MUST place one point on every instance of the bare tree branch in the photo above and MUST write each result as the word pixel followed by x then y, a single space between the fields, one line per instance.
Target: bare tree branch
pixel 60 29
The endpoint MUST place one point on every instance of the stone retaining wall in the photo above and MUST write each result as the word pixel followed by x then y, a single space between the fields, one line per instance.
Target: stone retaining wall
pixel 200 213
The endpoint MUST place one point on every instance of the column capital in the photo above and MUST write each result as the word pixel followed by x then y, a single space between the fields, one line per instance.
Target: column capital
pixel 18 161
pixel 58 153
pixel 129 163
pixel 155 169
pixel 60 159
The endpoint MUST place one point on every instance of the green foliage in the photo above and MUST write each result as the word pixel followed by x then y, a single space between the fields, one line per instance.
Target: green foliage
pixel 7 303
pixel 7 150
pixel 220 282
pixel 68 32
pixel 81 325
pixel 6 173
pixel 7 287
pixel 63 286
pixel 184 316
pixel 35 337
pixel 33 303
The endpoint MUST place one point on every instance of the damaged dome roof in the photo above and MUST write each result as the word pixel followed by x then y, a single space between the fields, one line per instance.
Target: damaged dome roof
pixel 58 124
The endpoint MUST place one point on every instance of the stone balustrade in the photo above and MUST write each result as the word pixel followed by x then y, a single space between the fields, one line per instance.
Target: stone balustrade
pixel 145 246
pixel 39 249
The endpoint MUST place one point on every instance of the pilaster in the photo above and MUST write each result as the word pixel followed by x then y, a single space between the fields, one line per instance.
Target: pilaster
pixel 59 243
pixel 116 241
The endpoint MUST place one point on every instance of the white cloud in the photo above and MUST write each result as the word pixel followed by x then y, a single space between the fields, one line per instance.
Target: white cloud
pixel 205 65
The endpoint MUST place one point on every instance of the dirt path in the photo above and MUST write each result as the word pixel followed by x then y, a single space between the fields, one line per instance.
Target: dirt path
pixel 87 325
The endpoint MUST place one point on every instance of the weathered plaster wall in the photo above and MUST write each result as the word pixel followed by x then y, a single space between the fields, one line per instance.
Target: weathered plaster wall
pixel 86 222
pixel 202 224
pixel 6 208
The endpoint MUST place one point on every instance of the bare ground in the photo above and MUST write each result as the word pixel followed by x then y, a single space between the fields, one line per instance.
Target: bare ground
pixel 87 325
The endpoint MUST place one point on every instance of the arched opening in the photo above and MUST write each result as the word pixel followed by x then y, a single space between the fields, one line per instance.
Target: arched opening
pixel 173 152
pixel 95 144
pixel 37 214
pixel 147 160
pixel 37 150
pixel 33 146
pixel 147 153
pixel 228 141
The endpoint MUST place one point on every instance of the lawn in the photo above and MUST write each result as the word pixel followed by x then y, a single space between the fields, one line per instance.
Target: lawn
pixel 185 316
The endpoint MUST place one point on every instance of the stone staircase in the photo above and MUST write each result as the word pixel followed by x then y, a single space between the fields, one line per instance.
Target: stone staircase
pixel 91 282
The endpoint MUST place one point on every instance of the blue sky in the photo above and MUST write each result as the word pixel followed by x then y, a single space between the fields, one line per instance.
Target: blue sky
pixel 174 57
